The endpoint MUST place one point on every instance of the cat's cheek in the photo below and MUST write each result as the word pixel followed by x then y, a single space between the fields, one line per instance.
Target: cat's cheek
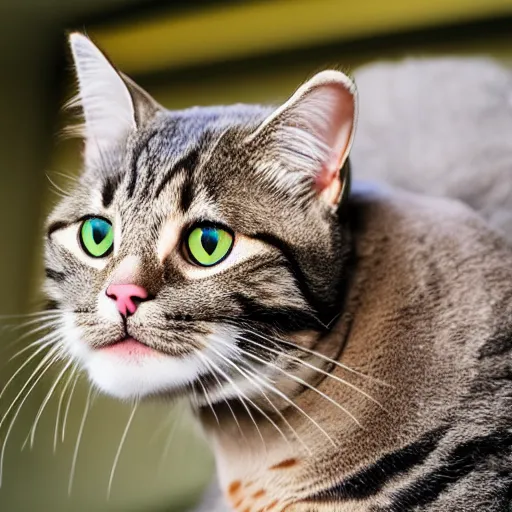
pixel 52 291
pixel 76 348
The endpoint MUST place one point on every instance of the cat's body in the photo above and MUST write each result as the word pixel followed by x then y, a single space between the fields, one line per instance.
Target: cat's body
pixel 443 441
pixel 343 353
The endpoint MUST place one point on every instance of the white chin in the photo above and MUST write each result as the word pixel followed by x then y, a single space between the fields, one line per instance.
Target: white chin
pixel 128 379
pixel 127 375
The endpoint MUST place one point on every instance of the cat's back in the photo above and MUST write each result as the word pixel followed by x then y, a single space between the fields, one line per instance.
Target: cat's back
pixel 395 229
pixel 431 275
pixel 432 317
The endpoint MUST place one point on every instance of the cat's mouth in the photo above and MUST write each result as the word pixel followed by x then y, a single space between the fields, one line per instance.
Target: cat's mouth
pixel 129 347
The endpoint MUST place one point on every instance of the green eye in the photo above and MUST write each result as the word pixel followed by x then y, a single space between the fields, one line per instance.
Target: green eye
pixel 97 237
pixel 209 245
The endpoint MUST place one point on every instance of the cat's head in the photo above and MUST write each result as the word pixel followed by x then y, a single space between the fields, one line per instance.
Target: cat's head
pixel 196 237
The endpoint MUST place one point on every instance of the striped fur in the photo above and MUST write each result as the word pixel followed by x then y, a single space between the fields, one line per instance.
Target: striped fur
pixel 351 354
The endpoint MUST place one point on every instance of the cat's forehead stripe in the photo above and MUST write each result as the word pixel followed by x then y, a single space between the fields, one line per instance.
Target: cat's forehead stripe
pixel 187 163
pixel 187 192
pixel 110 186
pixel 140 147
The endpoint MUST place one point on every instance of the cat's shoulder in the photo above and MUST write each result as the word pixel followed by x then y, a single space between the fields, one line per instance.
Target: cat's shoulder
pixel 388 209
pixel 431 230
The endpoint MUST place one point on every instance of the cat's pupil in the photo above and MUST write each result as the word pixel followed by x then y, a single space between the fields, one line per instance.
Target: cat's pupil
pixel 209 240
pixel 99 231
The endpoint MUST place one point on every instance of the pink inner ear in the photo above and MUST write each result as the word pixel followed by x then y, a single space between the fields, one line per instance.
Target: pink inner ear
pixel 328 185
pixel 325 178
pixel 337 134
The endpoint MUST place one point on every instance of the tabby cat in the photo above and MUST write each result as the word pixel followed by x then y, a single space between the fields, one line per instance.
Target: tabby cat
pixel 343 350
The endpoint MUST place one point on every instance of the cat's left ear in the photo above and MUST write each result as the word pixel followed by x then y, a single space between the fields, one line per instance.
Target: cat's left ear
pixel 113 105
pixel 306 142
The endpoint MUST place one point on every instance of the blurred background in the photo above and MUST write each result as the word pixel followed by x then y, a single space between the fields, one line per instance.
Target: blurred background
pixel 185 53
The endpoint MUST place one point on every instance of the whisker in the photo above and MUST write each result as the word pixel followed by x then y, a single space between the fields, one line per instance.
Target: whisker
pixel 57 190
pixel 216 377
pixel 17 372
pixel 59 407
pixel 47 325
pixel 332 320
pixel 265 415
pixel 278 392
pixel 73 179
pixel 78 440
pixel 293 404
pixel 29 315
pixel 207 398
pixel 42 318
pixel 50 354
pixel 68 406
pixel 47 398
pixel 119 448
pixel 168 442
pixel 321 356
pixel 252 378
pixel 315 368
pixel 240 394
pixel 305 384
pixel 55 356
pixel 161 427
pixel 46 340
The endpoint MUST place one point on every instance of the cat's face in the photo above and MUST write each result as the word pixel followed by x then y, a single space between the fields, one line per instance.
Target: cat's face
pixel 194 237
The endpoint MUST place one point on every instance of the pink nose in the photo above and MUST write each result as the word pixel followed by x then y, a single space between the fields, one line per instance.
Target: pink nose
pixel 127 297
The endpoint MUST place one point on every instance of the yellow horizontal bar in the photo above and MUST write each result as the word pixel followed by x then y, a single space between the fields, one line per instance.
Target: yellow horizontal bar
pixel 237 31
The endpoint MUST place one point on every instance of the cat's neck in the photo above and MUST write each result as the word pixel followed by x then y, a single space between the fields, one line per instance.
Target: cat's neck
pixel 264 458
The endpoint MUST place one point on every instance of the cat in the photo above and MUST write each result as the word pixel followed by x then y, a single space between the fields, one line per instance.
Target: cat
pixel 344 349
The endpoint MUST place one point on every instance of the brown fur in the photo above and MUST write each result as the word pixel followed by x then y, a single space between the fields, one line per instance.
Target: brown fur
pixel 431 283
pixel 349 354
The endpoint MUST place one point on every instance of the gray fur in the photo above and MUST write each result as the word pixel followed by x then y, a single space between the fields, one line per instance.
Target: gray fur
pixel 439 127
pixel 387 320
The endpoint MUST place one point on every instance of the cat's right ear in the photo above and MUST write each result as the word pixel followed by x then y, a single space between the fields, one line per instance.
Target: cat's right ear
pixel 113 105
pixel 304 145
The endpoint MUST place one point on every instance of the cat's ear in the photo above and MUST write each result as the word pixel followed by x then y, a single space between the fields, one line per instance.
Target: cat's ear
pixel 307 140
pixel 113 105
